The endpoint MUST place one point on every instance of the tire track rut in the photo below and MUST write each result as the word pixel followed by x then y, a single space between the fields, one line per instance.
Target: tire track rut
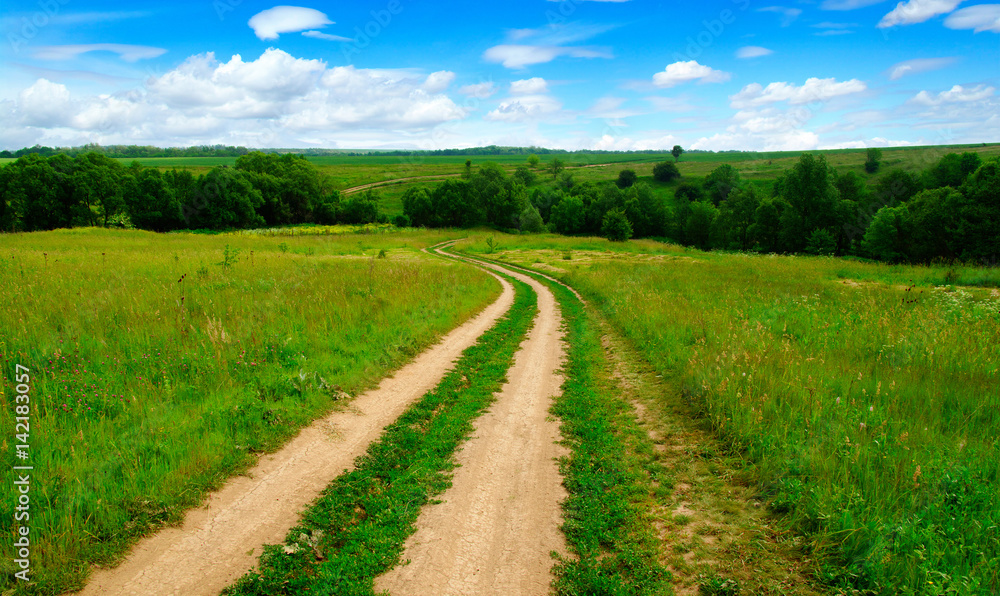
pixel 496 526
pixel 219 542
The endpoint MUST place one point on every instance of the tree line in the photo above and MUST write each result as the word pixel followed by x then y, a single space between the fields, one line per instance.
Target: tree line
pixel 44 193
pixel 949 211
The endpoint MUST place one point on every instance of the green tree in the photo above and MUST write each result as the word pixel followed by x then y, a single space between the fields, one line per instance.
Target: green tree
pixel 736 217
pixel 615 226
pixel 533 160
pixel 501 197
pixel 225 199
pixel 980 215
pixel 809 190
pixel 822 242
pixel 626 178
pixel 885 238
pixel 525 176
pixel 698 227
pixel 720 182
pixel 873 160
pixel 647 213
pixel 689 192
pixel 419 207
pixel 151 203
pixel 556 167
pixel 568 215
pixel 935 218
pixel 665 171
pixel 530 220
pixel 766 229
pixel 453 206
pixel 677 151
pixel 951 170
pixel 361 208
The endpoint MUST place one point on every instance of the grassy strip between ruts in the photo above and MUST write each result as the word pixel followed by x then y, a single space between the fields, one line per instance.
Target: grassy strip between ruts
pixel 355 531
pixel 610 474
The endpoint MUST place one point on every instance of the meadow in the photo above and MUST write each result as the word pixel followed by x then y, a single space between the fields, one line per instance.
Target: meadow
pixel 862 397
pixel 161 365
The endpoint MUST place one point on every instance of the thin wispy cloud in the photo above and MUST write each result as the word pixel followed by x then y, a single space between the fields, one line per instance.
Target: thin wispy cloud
pixel 985 17
pixel 788 15
pixel 326 36
pixel 747 52
pixel 918 65
pixel 917 11
pixel 538 46
pixel 128 53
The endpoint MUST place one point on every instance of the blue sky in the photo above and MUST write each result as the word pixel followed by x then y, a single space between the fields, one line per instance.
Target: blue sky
pixel 574 74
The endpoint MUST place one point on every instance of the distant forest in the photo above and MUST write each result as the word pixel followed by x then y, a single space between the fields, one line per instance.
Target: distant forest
pixel 148 151
pixel 950 211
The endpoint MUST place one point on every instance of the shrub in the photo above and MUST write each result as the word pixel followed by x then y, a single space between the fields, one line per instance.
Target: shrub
pixel 616 226
pixel 665 172
pixel 626 178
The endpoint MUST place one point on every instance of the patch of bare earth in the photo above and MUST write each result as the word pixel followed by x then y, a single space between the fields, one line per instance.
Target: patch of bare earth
pixel 221 541
pixel 710 522
pixel 493 531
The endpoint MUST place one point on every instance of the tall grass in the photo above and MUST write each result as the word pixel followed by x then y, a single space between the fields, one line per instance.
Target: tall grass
pixel 866 403
pixel 161 365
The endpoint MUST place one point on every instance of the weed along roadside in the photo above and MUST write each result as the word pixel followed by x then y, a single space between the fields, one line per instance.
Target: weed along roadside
pixel 148 393
pixel 853 403
pixel 607 524
pixel 210 550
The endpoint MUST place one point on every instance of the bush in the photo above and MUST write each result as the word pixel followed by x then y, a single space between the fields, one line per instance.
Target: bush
pixel 665 172
pixel 626 178
pixel 525 176
pixel 401 221
pixel 616 226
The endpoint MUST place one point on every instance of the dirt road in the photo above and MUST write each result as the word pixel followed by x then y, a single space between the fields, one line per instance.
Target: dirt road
pixel 497 525
pixel 221 541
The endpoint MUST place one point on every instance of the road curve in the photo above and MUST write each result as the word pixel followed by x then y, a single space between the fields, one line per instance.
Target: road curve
pixel 494 529
pixel 221 541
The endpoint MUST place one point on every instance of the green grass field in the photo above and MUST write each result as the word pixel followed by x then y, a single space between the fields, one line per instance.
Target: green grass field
pixel 160 365
pixel 863 396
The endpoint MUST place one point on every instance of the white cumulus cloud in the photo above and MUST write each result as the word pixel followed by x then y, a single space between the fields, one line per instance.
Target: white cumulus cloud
pixel 273 101
pixel 683 72
pixel 270 23
pixel 813 89
pixel 956 94
pixel 917 11
pixel 532 86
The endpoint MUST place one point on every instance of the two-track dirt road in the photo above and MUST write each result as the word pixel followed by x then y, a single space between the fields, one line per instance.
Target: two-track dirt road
pixel 491 535
pixel 496 526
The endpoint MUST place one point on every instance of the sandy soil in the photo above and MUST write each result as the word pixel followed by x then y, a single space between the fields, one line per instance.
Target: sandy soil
pixel 496 526
pixel 221 541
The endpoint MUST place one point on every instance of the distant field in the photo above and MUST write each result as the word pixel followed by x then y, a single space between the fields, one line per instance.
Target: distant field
pixel 345 171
